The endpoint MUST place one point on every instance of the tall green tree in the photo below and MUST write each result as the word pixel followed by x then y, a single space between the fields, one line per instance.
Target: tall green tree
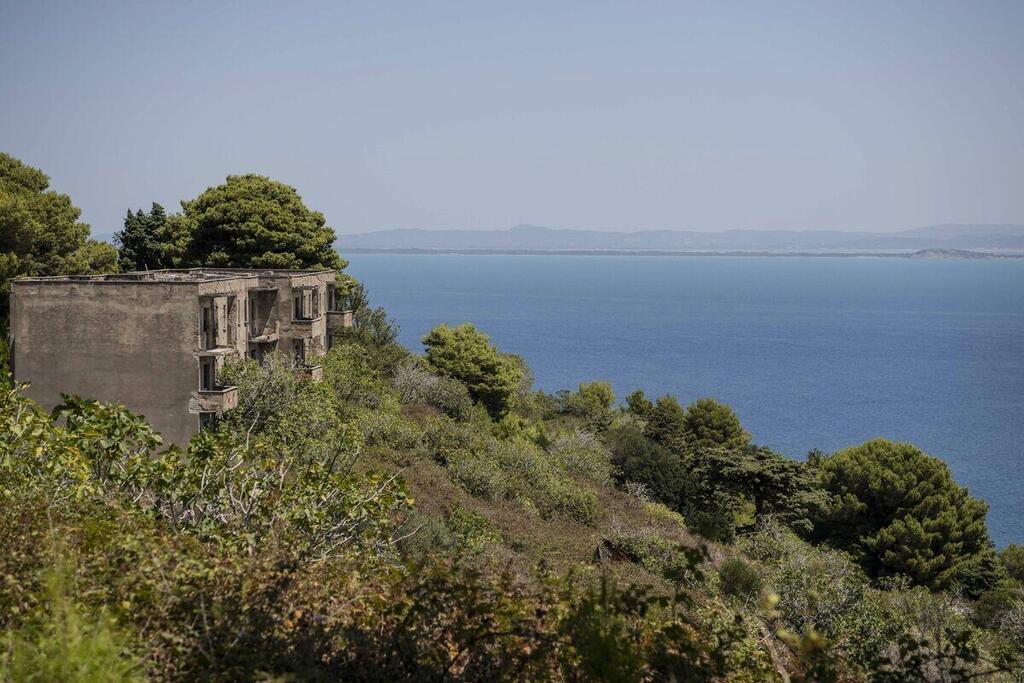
pixel 709 423
pixel 641 460
pixel 466 354
pixel 778 486
pixel 710 502
pixel 593 401
pixel 666 423
pixel 251 221
pixel 40 233
pixel 899 511
pixel 638 404
pixel 141 243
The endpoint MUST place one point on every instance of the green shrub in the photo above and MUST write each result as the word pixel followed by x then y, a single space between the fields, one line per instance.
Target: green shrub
pixel 371 328
pixel 68 644
pixel 638 459
pixel 567 497
pixel 658 555
pixel 1012 557
pixel 446 440
pixel 817 588
pixel 584 454
pixel 531 473
pixel 709 504
pixel 514 427
pixel 739 579
pixel 388 430
pixel 353 378
pixel 514 469
pixel 451 397
pixel 663 513
pixel 713 517
pixel 666 424
pixel 993 606
pixel 466 354
pixel 472 530
pixel 591 401
pixel 478 475
pixel 424 535
pixel 638 404
pixel 415 383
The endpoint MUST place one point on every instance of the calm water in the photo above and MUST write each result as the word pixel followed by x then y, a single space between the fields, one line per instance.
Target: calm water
pixel 810 352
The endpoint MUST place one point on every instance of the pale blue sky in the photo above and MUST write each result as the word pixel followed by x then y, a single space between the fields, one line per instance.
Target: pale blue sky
pixel 708 115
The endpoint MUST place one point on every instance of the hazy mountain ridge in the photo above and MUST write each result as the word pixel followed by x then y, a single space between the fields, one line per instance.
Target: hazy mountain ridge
pixel 997 237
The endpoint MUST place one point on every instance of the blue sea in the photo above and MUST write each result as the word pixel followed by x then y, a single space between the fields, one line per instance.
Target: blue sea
pixel 810 352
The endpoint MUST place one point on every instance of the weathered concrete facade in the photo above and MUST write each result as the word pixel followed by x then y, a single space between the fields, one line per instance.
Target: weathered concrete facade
pixel 156 341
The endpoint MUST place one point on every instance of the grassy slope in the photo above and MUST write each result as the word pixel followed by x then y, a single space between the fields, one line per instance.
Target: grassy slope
pixel 526 538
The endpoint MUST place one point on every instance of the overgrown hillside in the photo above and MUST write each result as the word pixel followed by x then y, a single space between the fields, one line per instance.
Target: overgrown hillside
pixel 432 517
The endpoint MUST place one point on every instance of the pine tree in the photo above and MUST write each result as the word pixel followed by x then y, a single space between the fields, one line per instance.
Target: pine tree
pixel 709 423
pixel 140 242
pixel 40 230
pixel 899 511
pixel 251 221
pixel 666 424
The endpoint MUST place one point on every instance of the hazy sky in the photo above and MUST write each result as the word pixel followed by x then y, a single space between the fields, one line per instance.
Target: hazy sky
pixel 710 115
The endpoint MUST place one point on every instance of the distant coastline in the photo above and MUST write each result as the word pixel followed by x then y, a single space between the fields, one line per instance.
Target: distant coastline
pixel 919 254
pixel 951 240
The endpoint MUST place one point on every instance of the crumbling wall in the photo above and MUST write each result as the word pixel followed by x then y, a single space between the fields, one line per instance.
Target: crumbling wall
pixel 131 342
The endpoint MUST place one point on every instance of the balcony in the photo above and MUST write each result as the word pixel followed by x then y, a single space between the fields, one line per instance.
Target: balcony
pixel 217 400
pixel 337 320
pixel 309 327
pixel 268 333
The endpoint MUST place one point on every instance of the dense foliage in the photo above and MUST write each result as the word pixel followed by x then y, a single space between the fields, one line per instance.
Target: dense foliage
pixel 899 511
pixel 249 221
pixel 666 423
pixel 710 424
pixel 40 233
pixel 144 241
pixel 467 355
pixel 1012 558
pixel 382 525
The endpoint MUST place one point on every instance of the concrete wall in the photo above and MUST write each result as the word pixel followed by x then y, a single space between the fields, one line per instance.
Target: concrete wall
pixel 132 342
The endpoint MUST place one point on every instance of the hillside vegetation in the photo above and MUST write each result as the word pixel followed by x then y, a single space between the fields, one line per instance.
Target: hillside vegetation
pixel 433 517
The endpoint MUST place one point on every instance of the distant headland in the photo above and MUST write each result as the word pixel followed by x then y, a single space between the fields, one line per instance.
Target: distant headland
pixel 939 241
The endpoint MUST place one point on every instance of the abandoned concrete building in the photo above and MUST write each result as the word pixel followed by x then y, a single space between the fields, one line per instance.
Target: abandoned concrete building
pixel 156 341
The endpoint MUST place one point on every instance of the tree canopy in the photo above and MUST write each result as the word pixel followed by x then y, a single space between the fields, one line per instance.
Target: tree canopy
pixel 899 511
pixel 666 423
pixel 466 354
pixel 778 486
pixel 142 243
pixel 1012 558
pixel 40 233
pixel 593 401
pixel 709 423
pixel 639 459
pixel 638 404
pixel 251 221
